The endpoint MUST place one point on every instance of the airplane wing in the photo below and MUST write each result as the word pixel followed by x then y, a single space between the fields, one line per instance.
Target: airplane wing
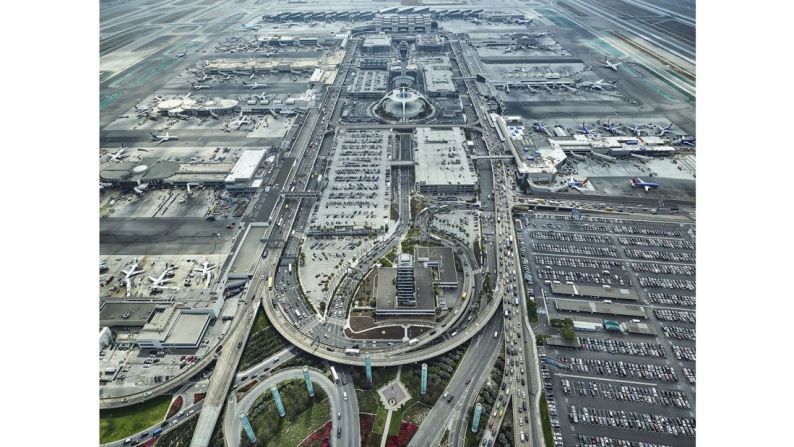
pixel 647 188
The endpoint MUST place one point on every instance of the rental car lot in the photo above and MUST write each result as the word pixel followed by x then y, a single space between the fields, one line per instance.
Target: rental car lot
pixel 622 380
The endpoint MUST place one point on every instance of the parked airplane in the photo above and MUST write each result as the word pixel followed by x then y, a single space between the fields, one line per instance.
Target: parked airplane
pixel 238 122
pixel 118 156
pixel 664 130
pixel 199 86
pixel 634 129
pixel 245 27
pixel 638 183
pixel 611 65
pixel 611 128
pixel 129 273
pixel 540 127
pixel 585 130
pixel 206 272
pixel 182 54
pixel 159 282
pixel 687 140
pixel 577 184
pixel 163 138
pixel 600 84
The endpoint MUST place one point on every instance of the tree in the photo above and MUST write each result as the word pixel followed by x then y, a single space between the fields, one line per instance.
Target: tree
pixel 568 333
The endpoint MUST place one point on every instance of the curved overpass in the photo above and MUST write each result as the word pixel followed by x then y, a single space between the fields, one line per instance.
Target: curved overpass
pixel 349 408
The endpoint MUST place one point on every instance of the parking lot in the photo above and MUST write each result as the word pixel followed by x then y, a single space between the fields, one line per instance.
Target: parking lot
pixel 627 376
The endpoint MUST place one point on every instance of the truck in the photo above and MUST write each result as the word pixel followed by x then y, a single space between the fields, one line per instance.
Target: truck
pixel 156 432
pixel 289 268
pixel 110 370
pixel 412 342
pixel 352 351
pixel 334 375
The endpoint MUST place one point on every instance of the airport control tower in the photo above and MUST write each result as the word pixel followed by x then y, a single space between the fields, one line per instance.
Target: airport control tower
pixel 403 80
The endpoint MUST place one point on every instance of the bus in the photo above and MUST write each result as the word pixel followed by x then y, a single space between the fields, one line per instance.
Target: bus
pixel 334 375
pixel 352 351
pixel 270 283
pixel 290 268
pixel 297 313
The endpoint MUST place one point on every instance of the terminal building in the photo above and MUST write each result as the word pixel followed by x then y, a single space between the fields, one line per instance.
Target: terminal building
pixel 399 23
pixel 437 76
pixel 534 164
pixel 442 164
pixel 441 260
pixel 241 177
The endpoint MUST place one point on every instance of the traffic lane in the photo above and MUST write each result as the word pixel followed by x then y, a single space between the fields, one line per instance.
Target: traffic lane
pixel 166 425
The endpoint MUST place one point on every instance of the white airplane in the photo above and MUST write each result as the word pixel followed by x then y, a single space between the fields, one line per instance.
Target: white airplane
pixel 206 272
pixel 664 130
pixel 245 27
pixel 159 282
pixel 611 65
pixel 540 127
pixel 129 273
pixel 118 156
pixel 634 129
pixel 199 86
pixel 255 85
pixel 182 54
pixel 599 84
pixel 239 121
pixel 163 138
pixel 203 77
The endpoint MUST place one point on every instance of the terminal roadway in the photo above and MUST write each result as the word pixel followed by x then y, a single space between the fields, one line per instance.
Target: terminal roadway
pixel 351 435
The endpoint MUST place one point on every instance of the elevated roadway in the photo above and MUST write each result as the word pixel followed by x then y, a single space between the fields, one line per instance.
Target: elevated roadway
pixel 232 426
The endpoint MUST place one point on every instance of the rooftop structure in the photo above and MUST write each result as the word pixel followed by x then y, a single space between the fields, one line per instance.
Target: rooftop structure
pixel 387 301
pixel 173 328
pixel 429 43
pixel 599 308
pixel 438 75
pixel 537 164
pixel 246 166
pixel 603 291
pixel 442 165
pixel 376 43
pixel 442 260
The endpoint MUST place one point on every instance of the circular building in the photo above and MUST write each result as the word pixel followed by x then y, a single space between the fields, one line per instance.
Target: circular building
pixel 403 104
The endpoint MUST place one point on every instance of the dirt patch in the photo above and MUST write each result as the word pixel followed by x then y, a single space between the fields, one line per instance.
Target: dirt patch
pixel 379 333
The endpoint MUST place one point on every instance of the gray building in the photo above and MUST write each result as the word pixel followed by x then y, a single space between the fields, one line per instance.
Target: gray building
pixel 405 280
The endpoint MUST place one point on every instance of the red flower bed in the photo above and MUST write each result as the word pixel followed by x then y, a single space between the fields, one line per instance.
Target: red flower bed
pixel 321 437
pixel 175 407
pixel 198 397
pixel 407 430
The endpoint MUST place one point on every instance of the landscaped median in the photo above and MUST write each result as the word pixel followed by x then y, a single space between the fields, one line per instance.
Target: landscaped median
pixel 304 415
pixel 120 423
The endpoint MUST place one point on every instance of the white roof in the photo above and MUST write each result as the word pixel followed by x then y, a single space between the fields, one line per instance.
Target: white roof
pixel 246 165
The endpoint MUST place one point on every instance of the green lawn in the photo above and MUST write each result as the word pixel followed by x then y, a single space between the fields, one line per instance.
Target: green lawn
pixel 295 430
pixel 546 421
pixel 415 411
pixel 367 401
pixel 261 322
pixel 394 424
pixel 122 422
pixel 380 420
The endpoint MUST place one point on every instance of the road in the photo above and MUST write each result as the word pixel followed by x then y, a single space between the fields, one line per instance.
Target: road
pixel 348 408
pixel 475 366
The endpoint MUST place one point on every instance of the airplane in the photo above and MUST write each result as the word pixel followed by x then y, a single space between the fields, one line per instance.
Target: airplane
pixel 206 273
pixel 199 86
pixel 577 184
pixel 159 282
pixel 203 78
pixel 687 140
pixel 540 127
pixel 118 156
pixel 245 27
pixel 182 54
pixel 239 121
pixel 584 129
pixel 600 84
pixel 638 183
pixel 664 130
pixel 255 85
pixel 163 138
pixel 634 129
pixel 128 274
pixel 611 65
pixel 609 127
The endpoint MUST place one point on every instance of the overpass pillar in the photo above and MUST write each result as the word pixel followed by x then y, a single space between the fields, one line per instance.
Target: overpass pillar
pixel 277 399
pixel 475 421
pixel 247 427
pixel 423 385
pixel 368 367
pixel 307 378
